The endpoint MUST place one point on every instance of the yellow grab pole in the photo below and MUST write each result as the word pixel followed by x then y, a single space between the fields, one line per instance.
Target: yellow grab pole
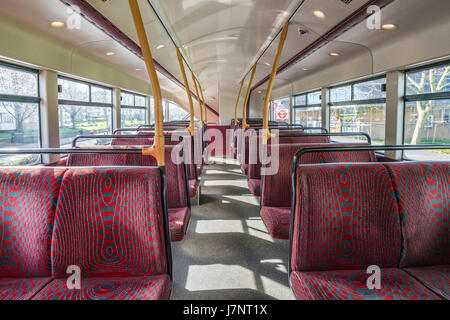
pixel 204 105
pixel 247 96
pixel 198 97
pixel 157 150
pixel 191 128
pixel 236 122
pixel 266 133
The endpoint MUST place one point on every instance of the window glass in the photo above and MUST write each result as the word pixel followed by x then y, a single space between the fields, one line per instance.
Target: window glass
pixel 17 82
pixel 309 116
pixel 177 113
pixel 152 110
pixel 132 117
pixel 101 95
pixel 83 120
pixel 369 118
pixel 427 120
pixel 141 101
pixel 341 94
pixel 127 99
pixel 300 100
pixel 315 97
pixel 19 120
pixel 73 90
pixel 372 89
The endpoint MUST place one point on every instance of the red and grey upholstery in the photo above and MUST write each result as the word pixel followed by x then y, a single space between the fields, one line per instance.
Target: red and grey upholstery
pixel 351 216
pixel 28 199
pixel 115 235
pixel 276 193
pixel 177 197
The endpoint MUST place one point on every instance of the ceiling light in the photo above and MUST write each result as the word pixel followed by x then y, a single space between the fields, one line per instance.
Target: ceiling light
pixel 334 54
pixel 305 69
pixel 319 14
pixel 160 46
pixel 389 26
pixel 110 54
pixel 137 69
pixel 57 24
pixel 267 64
pixel 259 91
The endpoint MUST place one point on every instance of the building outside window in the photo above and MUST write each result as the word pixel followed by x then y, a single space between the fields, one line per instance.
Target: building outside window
pixel 84 109
pixel 308 109
pixel 19 113
pixel 133 110
pixel 427 110
pixel 359 107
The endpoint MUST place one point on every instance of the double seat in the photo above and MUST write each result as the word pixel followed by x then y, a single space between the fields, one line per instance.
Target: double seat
pixel 390 215
pixel 178 202
pixel 108 222
pixel 276 190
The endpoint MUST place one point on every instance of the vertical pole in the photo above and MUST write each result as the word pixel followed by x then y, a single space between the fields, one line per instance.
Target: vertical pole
pixel 266 133
pixel 188 92
pixel 236 122
pixel 157 150
pixel 198 97
pixel 247 97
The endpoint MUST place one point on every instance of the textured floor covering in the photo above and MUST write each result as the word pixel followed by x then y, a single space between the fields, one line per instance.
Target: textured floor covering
pixel 227 252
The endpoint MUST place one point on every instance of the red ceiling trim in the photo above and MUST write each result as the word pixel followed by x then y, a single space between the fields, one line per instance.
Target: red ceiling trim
pixel 93 15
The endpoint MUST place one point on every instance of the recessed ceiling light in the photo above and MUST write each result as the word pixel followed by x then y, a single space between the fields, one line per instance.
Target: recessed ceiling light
pixel 160 46
pixel 334 54
pixel 259 91
pixel 57 24
pixel 305 69
pixel 319 14
pixel 110 53
pixel 137 69
pixel 267 64
pixel 389 26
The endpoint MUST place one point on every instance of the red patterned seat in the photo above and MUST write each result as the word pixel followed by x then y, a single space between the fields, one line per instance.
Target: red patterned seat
pixel 28 199
pixel 115 236
pixel 352 285
pixel 277 221
pixel 175 174
pixel 348 217
pixel 178 222
pixel 110 288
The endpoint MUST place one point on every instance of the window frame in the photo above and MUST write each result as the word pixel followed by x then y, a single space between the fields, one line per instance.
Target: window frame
pixel 26 99
pixel 134 106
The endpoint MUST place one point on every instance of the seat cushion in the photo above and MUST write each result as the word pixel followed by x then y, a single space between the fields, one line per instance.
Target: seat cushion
pixel 135 288
pixel 178 222
pixel 244 169
pixel 193 184
pixel 352 285
pixel 437 278
pixel 277 221
pixel 21 289
pixel 255 186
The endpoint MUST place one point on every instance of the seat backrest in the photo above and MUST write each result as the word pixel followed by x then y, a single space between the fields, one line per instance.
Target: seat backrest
pixel 346 217
pixel 304 139
pixel 96 159
pixel 177 196
pixel 131 141
pixel 109 222
pixel 28 199
pixel 422 189
pixel 277 188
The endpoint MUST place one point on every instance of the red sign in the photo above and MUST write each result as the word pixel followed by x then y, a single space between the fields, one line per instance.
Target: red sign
pixel 282 115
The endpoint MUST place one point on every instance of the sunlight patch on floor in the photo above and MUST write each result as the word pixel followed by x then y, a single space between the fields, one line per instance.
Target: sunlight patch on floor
pixel 219 277
pixel 219 226
pixel 243 198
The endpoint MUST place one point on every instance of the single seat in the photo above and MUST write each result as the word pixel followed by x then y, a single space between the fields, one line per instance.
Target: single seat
pixel 346 219
pixel 254 166
pixel 423 193
pixel 276 194
pixel 28 199
pixel 116 236
pixel 176 181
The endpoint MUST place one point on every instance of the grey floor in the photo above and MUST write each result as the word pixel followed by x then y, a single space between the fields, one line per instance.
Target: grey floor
pixel 227 252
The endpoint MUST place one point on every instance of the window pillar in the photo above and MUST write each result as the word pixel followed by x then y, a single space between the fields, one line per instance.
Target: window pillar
pixel 117 122
pixel 149 110
pixel 325 108
pixel 395 89
pixel 48 87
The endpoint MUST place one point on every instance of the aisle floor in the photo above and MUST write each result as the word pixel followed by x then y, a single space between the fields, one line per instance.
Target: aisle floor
pixel 227 252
